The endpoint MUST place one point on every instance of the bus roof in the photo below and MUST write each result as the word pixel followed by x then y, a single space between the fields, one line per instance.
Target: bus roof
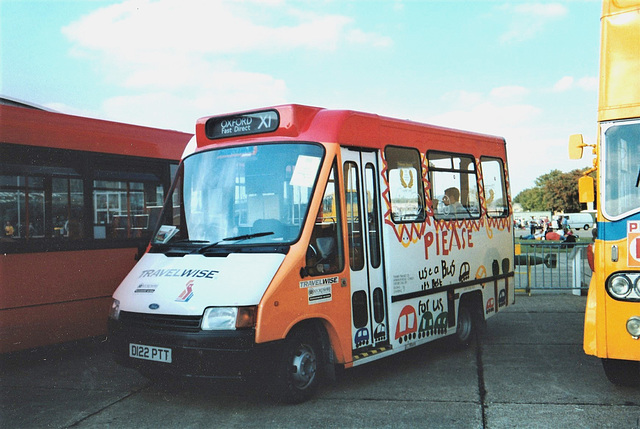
pixel 27 126
pixel 347 127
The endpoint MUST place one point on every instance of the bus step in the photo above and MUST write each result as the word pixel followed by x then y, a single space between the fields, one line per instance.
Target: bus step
pixel 371 352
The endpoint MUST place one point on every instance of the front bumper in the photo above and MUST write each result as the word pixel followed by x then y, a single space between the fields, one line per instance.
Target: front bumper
pixel 195 353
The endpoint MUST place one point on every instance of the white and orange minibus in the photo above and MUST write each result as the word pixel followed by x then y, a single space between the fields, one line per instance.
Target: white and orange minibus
pixel 302 239
pixel 612 317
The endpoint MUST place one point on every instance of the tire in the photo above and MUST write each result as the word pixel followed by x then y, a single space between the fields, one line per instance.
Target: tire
pixel 470 323
pixel 297 374
pixel 586 227
pixel 622 372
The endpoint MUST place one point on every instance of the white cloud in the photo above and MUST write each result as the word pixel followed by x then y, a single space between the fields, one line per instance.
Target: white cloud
pixel 180 111
pixel 567 83
pixel 488 117
pixel 506 111
pixel 563 84
pixel 143 32
pixel 509 92
pixel 462 99
pixel 543 10
pixel 184 52
pixel 140 30
pixel 516 124
pixel 358 36
pixel 529 19
pixel 589 83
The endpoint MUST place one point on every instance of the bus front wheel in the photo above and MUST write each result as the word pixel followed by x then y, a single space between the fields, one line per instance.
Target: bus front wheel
pixel 622 372
pixel 297 374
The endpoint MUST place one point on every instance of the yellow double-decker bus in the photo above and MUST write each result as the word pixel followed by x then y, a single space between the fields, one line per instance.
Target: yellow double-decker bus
pixel 612 317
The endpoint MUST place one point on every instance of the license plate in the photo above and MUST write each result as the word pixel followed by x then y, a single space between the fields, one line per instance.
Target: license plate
pixel 157 354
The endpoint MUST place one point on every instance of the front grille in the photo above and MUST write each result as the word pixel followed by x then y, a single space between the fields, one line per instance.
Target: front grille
pixel 161 322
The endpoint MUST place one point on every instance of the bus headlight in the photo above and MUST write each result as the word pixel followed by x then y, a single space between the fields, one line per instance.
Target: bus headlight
pixel 633 327
pixel 619 286
pixel 219 318
pixel 114 311
pixel 637 286
pixel 228 318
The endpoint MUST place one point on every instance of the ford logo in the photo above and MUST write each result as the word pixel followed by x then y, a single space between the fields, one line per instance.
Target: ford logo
pixel 154 306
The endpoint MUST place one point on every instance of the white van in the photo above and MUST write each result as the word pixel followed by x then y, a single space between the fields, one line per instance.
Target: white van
pixel 580 220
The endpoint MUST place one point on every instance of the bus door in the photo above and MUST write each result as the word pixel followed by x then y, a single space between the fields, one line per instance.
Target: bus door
pixel 368 310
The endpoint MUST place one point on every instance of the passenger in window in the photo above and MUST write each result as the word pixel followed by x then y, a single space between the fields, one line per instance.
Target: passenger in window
pixel 8 230
pixel 451 201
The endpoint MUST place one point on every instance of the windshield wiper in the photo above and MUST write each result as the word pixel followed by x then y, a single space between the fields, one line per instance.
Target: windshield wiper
pixel 177 248
pixel 178 243
pixel 237 238
pixel 248 236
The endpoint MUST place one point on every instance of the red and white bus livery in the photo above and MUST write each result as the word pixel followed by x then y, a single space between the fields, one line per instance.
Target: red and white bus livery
pixel 302 238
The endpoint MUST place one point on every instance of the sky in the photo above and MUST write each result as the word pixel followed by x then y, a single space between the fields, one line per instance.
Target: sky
pixel 526 71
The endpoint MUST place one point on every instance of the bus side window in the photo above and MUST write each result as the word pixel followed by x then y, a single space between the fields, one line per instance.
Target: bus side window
pixel 406 189
pixel 372 210
pixel 67 207
pixel 494 187
pixel 325 253
pixel 354 216
pixel 125 208
pixel 41 206
pixel 53 199
pixel 454 186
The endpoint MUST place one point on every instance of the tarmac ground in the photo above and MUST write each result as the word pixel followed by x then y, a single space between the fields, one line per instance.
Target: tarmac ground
pixel 529 370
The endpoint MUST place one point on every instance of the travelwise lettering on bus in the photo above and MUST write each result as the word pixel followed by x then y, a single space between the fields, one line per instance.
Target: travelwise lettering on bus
pixel 319 282
pixel 176 272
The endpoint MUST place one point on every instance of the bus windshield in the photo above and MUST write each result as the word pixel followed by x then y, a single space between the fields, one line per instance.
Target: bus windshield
pixel 622 169
pixel 242 195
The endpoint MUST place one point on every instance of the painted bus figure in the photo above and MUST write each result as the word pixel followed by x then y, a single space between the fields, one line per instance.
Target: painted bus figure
pixel 308 239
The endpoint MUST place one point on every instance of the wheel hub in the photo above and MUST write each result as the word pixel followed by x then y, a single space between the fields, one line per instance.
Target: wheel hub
pixel 304 367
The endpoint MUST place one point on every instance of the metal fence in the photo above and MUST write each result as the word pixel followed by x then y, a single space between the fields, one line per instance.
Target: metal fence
pixel 544 265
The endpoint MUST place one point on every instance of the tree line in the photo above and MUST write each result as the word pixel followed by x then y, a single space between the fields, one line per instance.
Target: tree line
pixel 555 191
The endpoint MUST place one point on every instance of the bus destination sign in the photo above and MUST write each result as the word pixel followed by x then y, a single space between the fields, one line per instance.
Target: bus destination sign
pixel 243 124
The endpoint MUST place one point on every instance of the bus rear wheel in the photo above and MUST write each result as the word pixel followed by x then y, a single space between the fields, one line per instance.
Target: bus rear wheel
pixel 622 372
pixel 297 374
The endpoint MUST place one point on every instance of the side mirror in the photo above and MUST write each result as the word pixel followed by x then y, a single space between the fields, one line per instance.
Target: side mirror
pixel 576 143
pixel 585 189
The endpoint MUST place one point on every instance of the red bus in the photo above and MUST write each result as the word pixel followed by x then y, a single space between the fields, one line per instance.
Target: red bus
pixel 78 198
